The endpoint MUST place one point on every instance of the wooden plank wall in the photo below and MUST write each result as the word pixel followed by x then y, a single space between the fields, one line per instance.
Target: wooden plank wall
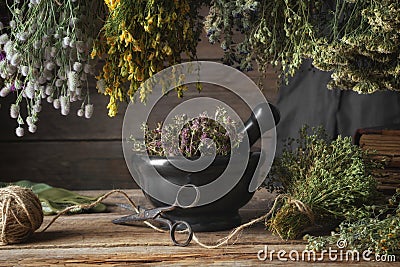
pixel 77 153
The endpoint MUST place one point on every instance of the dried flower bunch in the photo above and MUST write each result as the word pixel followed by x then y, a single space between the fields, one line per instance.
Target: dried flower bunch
pixel 357 40
pixel 47 56
pixel 324 181
pixel 139 39
pixel 222 18
pixel 275 33
pixel 195 137
pixel 377 232
pixel 364 52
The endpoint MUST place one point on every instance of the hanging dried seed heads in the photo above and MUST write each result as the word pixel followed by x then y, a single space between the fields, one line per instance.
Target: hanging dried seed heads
pixel 47 59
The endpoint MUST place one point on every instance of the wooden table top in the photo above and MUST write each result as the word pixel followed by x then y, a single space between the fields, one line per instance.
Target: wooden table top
pixel 91 239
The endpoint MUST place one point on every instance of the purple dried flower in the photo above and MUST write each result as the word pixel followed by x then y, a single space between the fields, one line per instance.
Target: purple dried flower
pixel 195 124
pixel 185 134
pixel 2 56
pixel 191 136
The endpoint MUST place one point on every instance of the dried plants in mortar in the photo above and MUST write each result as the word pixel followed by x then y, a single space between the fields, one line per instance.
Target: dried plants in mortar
pixel 192 136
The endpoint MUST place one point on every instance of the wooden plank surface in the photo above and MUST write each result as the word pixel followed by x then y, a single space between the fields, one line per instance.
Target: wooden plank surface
pixel 91 239
pixel 70 164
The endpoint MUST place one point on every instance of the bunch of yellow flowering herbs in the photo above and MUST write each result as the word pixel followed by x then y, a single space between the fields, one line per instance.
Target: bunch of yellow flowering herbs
pixel 141 38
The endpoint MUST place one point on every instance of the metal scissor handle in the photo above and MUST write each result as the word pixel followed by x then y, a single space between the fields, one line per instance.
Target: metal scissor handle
pixel 174 228
pixel 156 214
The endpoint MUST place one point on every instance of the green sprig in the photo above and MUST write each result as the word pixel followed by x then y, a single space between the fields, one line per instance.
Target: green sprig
pixel 331 180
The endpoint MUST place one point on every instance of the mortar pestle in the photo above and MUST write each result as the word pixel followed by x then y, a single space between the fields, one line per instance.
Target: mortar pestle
pixel 223 213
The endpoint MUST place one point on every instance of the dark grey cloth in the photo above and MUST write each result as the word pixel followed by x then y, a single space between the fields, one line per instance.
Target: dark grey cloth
pixel 306 100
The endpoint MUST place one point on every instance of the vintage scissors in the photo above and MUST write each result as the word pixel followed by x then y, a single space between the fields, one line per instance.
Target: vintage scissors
pixel 157 214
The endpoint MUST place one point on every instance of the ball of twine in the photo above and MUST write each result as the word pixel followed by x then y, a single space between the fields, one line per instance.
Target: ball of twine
pixel 21 214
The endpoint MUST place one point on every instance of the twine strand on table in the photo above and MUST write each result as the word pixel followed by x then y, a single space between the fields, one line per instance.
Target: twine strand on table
pixel 98 201
pixel 238 229
pixel 22 200
pixel 220 242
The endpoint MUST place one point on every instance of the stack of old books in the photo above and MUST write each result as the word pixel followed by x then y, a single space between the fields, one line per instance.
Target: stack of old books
pixel 384 144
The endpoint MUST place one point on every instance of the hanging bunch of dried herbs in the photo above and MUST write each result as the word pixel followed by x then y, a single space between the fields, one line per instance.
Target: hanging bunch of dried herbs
pixel 278 32
pixel 323 182
pixel 141 38
pixel 357 40
pixel 222 18
pixel 4 19
pixel 379 232
pixel 45 56
pixel 364 51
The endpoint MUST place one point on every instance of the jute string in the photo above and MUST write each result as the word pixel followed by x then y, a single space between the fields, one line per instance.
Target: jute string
pixel 303 208
pixel 22 215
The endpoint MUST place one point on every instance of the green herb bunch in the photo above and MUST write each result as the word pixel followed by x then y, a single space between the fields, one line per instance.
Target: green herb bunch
pixel 357 40
pixel 222 17
pixel 324 181
pixel 278 33
pixel 378 232
pixel 202 135
pixel 363 50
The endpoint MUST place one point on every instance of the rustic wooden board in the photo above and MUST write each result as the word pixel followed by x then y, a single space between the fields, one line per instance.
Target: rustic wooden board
pixel 70 164
pixel 391 161
pixel 388 180
pixel 91 239
pixel 384 145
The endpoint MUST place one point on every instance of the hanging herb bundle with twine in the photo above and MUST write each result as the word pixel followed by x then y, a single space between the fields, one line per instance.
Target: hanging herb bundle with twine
pixel 141 38
pixel 322 181
pixel 357 40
